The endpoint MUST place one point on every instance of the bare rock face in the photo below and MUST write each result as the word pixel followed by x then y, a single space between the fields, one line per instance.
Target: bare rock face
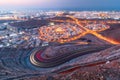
pixel 113 33
pixel 49 52
pixel 54 51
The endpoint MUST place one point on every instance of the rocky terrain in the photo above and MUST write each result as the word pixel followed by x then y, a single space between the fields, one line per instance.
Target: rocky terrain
pixel 103 65
pixel 113 32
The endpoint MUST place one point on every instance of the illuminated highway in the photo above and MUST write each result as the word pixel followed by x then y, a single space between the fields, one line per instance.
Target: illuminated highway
pixel 95 33
pixel 87 31
pixel 36 44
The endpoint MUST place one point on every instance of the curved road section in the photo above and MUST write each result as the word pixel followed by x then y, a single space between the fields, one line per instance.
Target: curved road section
pixel 69 52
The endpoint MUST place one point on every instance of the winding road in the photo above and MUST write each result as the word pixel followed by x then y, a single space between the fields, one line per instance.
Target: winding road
pixel 38 60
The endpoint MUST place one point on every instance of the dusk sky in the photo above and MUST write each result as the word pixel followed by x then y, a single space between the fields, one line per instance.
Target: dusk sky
pixel 61 4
